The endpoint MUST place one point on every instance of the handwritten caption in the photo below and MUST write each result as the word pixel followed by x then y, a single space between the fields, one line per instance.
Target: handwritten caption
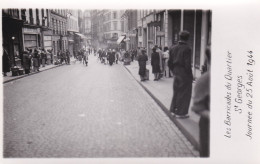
pixel 240 101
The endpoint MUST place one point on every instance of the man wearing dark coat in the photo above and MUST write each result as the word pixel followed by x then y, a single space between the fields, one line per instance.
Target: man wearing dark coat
pixel 26 62
pixel 180 65
pixel 142 58
pixel 155 62
pixel 112 57
pixel 201 105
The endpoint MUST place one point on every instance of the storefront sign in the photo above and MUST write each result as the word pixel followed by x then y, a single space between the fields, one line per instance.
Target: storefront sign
pixel 160 33
pixel 49 32
pixel 31 30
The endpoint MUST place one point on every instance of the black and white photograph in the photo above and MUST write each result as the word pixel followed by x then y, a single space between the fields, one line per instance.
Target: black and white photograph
pixel 129 83
pixel 106 83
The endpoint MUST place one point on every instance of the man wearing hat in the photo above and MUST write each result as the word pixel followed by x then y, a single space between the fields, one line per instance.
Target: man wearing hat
pixel 180 65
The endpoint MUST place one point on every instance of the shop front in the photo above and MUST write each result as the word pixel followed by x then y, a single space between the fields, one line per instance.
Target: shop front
pixel 47 40
pixel 12 38
pixel 31 38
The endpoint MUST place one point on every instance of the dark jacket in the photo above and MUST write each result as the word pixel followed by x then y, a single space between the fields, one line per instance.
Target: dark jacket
pixel 155 62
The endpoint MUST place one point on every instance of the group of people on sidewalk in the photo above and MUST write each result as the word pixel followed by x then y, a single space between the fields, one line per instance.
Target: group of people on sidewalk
pixel 178 61
pixel 32 59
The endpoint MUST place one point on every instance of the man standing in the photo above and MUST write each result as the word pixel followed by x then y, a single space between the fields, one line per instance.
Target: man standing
pixel 180 64
pixel 68 56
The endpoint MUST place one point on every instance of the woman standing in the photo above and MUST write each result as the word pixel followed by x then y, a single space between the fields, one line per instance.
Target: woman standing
pixel 155 62
pixel 142 58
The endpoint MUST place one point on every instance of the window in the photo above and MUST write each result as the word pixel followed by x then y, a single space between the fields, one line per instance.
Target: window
pixel 37 17
pixel 53 26
pixel 140 31
pixel 115 25
pixel 114 15
pixel 122 26
pixel 31 16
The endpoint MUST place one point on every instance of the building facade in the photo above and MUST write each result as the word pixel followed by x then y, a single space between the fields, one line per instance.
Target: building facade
pixel 59 30
pixel 87 27
pixel 73 28
pixel 162 27
pixel 106 28
pixel 25 29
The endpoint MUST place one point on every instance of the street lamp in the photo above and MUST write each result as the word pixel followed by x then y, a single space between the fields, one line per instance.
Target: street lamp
pixel 13 38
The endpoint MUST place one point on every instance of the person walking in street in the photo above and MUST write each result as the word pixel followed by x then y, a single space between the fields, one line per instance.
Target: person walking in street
pixel 26 62
pixel 117 57
pixel 85 57
pixel 80 56
pixel 201 106
pixel 155 62
pixel 180 65
pixel 36 60
pixel 112 57
pixel 132 55
pixel 5 62
pixel 142 64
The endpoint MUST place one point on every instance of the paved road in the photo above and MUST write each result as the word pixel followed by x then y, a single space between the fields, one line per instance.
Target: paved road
pixel 94 111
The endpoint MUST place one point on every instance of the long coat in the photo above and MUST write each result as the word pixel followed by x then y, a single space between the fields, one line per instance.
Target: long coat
pixel 155 62
pixel 142 64
pixel 180 64
pixel 26 61
pixel 36 58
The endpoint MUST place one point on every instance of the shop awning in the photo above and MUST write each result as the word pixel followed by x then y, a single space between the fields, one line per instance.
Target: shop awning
pixel 81 35
pixel 120 39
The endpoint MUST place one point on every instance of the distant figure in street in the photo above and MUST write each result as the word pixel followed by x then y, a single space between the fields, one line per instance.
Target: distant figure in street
pixel 117 56
pixel 180 65
pixel 155 62
pixel 85 57
pixel 26 62
pixel 5 62
pixel 80 56
pixel 68 56
pixel 142 64
pixel 201 105
pixel 111 57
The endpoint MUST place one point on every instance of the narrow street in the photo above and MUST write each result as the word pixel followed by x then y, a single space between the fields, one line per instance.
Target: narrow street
pixel 93 111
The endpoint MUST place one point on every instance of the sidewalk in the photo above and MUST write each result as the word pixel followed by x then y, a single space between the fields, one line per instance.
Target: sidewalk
pixel 10 78
pixel 161 91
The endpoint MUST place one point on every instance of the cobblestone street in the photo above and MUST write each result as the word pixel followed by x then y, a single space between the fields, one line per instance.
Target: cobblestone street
pixel 93 111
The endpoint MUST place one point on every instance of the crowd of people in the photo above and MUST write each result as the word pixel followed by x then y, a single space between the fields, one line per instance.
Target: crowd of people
pixel 111 56
pixel 35 58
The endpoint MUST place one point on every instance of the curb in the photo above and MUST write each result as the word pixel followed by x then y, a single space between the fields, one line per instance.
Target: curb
pixel 33 73
pixel 176 121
